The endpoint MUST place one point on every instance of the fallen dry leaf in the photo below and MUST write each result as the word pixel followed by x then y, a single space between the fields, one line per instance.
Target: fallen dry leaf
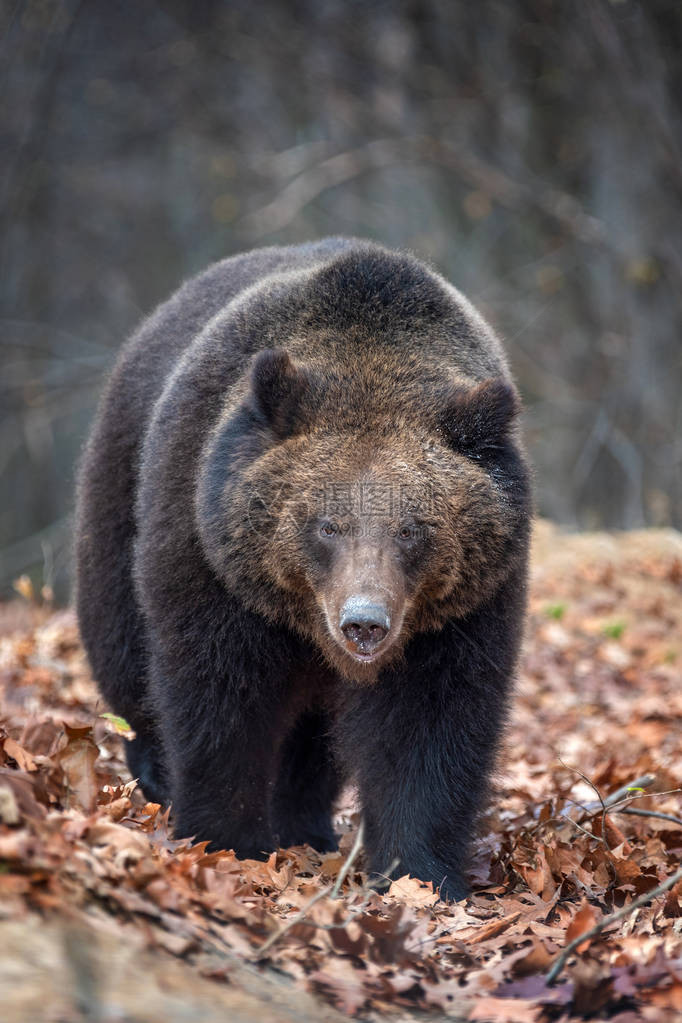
pixel 505 1010
pixel 412 892
pixel 77 760
pixel 583 921
pixel 24 760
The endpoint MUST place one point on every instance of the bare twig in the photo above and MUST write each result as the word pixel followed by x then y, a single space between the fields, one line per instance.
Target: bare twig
pixel 621 795
pixel 291 922
pixel 388 876
pixel 331 891
pixel 314 181
pixel 606 921
pixel 625 791
pixel 641 795
pixel 343 873
pixel 603 805
pixel 590 834
pixel 636 812
pixel 609 804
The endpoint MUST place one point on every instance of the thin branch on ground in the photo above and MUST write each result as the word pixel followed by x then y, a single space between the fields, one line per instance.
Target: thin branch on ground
pixel 641 795
pixel 623 795
pixel 291 922
pixel 332 891
pixel 625 791
pixel 606 921
pixel 343 873
pixel 603 805
pixel 636 812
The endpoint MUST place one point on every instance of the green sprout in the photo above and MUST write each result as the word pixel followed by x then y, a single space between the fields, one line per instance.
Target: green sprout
pixel 120 724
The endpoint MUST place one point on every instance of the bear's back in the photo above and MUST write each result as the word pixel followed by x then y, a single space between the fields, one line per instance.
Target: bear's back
pixel 343 284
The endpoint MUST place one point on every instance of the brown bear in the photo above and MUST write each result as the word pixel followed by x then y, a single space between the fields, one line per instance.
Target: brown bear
pixel 302 540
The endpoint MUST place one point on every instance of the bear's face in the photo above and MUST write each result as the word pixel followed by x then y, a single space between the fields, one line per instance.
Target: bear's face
pixel 358 538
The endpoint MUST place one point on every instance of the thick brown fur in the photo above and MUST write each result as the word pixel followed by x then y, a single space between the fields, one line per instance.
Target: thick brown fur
pixel 294 427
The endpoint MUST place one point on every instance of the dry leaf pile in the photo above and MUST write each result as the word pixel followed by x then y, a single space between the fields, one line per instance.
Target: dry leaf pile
pixel 587 817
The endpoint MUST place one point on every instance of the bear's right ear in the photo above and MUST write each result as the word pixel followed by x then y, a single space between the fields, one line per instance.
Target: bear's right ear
pixel 277 389
pixel 479 418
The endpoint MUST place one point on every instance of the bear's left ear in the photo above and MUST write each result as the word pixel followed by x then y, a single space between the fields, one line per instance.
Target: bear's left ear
pixel 479 418
pixel 277 389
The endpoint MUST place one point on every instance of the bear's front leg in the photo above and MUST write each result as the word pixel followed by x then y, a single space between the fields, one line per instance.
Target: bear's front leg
pixel 221 779
pixel 422 743
pixel 222 708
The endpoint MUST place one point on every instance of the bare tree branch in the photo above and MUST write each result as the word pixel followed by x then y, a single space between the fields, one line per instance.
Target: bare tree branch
pixel 606 921
pixel 379 153
pixel 636 812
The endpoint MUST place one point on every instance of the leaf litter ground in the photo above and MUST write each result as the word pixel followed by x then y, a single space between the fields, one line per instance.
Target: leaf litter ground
pixel 106 916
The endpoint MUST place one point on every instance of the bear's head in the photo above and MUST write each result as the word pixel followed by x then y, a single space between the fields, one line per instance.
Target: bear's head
pixel 359 511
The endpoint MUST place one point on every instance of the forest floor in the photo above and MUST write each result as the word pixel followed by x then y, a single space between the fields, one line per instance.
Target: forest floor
pixel 103 916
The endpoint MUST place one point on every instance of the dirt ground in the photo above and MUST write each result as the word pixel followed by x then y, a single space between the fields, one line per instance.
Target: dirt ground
pixel 104 916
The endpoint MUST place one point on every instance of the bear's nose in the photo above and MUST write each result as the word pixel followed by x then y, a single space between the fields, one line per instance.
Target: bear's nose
pixel 364 623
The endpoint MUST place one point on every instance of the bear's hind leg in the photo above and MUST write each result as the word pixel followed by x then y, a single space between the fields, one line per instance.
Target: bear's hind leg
pixel 307 785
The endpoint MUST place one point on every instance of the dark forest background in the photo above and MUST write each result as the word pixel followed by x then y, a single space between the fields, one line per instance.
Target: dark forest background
pixel 530 149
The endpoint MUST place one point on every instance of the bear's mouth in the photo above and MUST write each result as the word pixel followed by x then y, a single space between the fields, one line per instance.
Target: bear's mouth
pixel 368 658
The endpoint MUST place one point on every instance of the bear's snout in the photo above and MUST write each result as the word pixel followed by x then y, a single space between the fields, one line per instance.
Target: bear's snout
pixel 365 624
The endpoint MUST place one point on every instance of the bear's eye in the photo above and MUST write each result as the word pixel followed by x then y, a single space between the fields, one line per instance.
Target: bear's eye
pixel 405 533
pixel 328 528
